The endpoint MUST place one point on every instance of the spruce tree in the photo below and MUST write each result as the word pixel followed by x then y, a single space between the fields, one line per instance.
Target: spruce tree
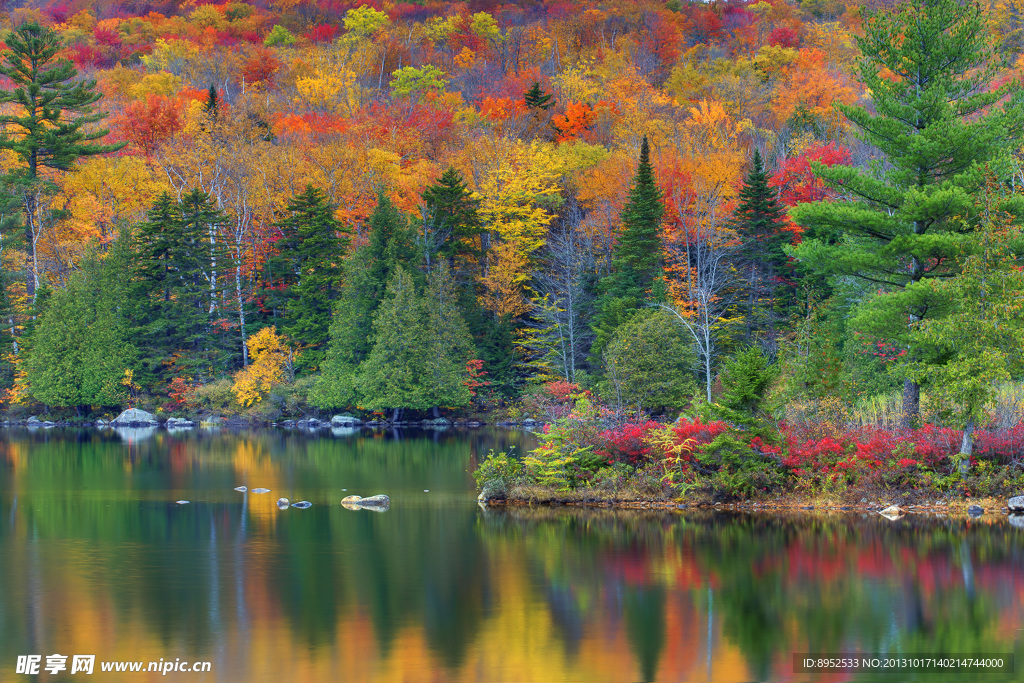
pixel 453 216
pixel 448 344
pixel 176 294
pixel 536 98
pixel 302 280
pixel 393 376
pixel 367 273
pixel 636 263
pixel 936 123
pixel 760 223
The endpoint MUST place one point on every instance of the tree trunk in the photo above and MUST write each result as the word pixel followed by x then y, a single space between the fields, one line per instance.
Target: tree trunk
pixel 241 312
pixel 967 446
pixel 395 414
pixel 911 403
pixel 437 413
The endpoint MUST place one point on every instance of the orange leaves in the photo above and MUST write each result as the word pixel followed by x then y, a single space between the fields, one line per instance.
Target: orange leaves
pixel 811 89
pixel 577 120
pixel 502 108
pixel 261 67
pixel 147 124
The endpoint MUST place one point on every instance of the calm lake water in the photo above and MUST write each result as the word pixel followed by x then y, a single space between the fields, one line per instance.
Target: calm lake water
pixel 96 558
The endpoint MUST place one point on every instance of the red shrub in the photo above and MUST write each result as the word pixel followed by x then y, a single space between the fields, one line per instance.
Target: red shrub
pixel 627 443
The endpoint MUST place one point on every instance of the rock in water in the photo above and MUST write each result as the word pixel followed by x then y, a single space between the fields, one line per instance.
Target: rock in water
pixel 282 503
pixel 975 511
pixel 241 489
pixel 133 417
pixel 182 502
pixel 378 502
pixel 1016 504
pixel 893 512
pixel 261 490
pixel 302 504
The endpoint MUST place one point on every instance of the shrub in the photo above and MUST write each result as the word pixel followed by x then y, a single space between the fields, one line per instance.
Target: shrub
pixel 499 471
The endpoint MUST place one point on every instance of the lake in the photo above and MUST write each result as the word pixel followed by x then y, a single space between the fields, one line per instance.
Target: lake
pixel 99 559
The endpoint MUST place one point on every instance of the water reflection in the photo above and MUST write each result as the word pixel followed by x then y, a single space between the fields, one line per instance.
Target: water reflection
pixel 97 558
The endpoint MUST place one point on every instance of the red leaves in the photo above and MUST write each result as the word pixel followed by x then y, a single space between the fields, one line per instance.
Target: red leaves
pixel 576 121
pixel 147 124
pixel 627 443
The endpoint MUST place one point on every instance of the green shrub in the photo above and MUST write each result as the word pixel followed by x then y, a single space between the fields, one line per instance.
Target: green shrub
pixel 499 471
pixel 216 397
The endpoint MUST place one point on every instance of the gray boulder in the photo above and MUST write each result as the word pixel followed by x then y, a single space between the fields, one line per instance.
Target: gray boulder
pixel 133 417
pixel 345 421
pixel 1016 504
pixel 101 422
pixel 975 511
pixel 178 423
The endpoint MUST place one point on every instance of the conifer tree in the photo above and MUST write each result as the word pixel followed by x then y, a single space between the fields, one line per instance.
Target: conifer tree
pixel 367 273
pixel 536 98
pixel 636 264
pixel 448 344
pixel 760 222
pixel 302 280
pixel 936 121
pixel 48 124
pixel 452 216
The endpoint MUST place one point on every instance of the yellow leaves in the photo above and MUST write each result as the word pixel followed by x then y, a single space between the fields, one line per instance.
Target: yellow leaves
pixel 270 356
pixel 516 193
pixel 365 21
pixel 485 27
pixel 169 55
pixel 330 92
pixel 465 58
pixel 503 285
pixel 580 83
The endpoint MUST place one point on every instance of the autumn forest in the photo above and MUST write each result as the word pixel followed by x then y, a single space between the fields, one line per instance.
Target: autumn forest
pixel 274 208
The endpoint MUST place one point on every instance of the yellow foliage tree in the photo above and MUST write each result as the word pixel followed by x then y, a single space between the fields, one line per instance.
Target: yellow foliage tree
pixel 271 358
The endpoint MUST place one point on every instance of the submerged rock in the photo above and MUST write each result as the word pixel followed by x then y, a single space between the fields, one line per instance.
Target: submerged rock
pixel 182 502
pixel 1016 504
pixel 302 504
pixel 282 503
pixel 975 511
pixel 241 489
pixel 261 490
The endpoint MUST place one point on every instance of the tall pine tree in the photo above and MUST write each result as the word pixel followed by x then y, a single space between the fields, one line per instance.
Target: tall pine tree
pixel 937 123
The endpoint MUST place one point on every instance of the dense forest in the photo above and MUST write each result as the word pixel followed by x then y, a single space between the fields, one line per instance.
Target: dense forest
pixel 291 206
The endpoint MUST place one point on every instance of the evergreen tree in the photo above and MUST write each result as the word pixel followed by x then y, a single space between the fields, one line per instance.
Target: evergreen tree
pixel 636 264
pixel 302 280
pixel 366 275
pixel 212 104
pixel 536 98
pixel 760 222
pixel 80 349
pixel 453 217
pixel 50 122
pixel 175 286
pixel 393 377
pixel 936 123
pixel 448 344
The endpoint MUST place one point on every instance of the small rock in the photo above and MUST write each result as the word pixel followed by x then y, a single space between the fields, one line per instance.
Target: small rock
pixel 261 490
pixel 345 421
pixel 893 512
pixel 863 501
pixel 975 511
pixel 380 502
pixel 182 502
pixel 302 504
pixel 1016 504
pixel 282 503
pixel 101 423
pixel 241 489
pixel 178 423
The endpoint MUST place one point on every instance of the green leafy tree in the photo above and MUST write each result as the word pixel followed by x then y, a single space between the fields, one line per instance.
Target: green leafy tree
pixel 49 122
pixel 303 279
pixel 760 222
pixel 448 345
pixel 648 365
pixel 452 218
pixel 936 121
